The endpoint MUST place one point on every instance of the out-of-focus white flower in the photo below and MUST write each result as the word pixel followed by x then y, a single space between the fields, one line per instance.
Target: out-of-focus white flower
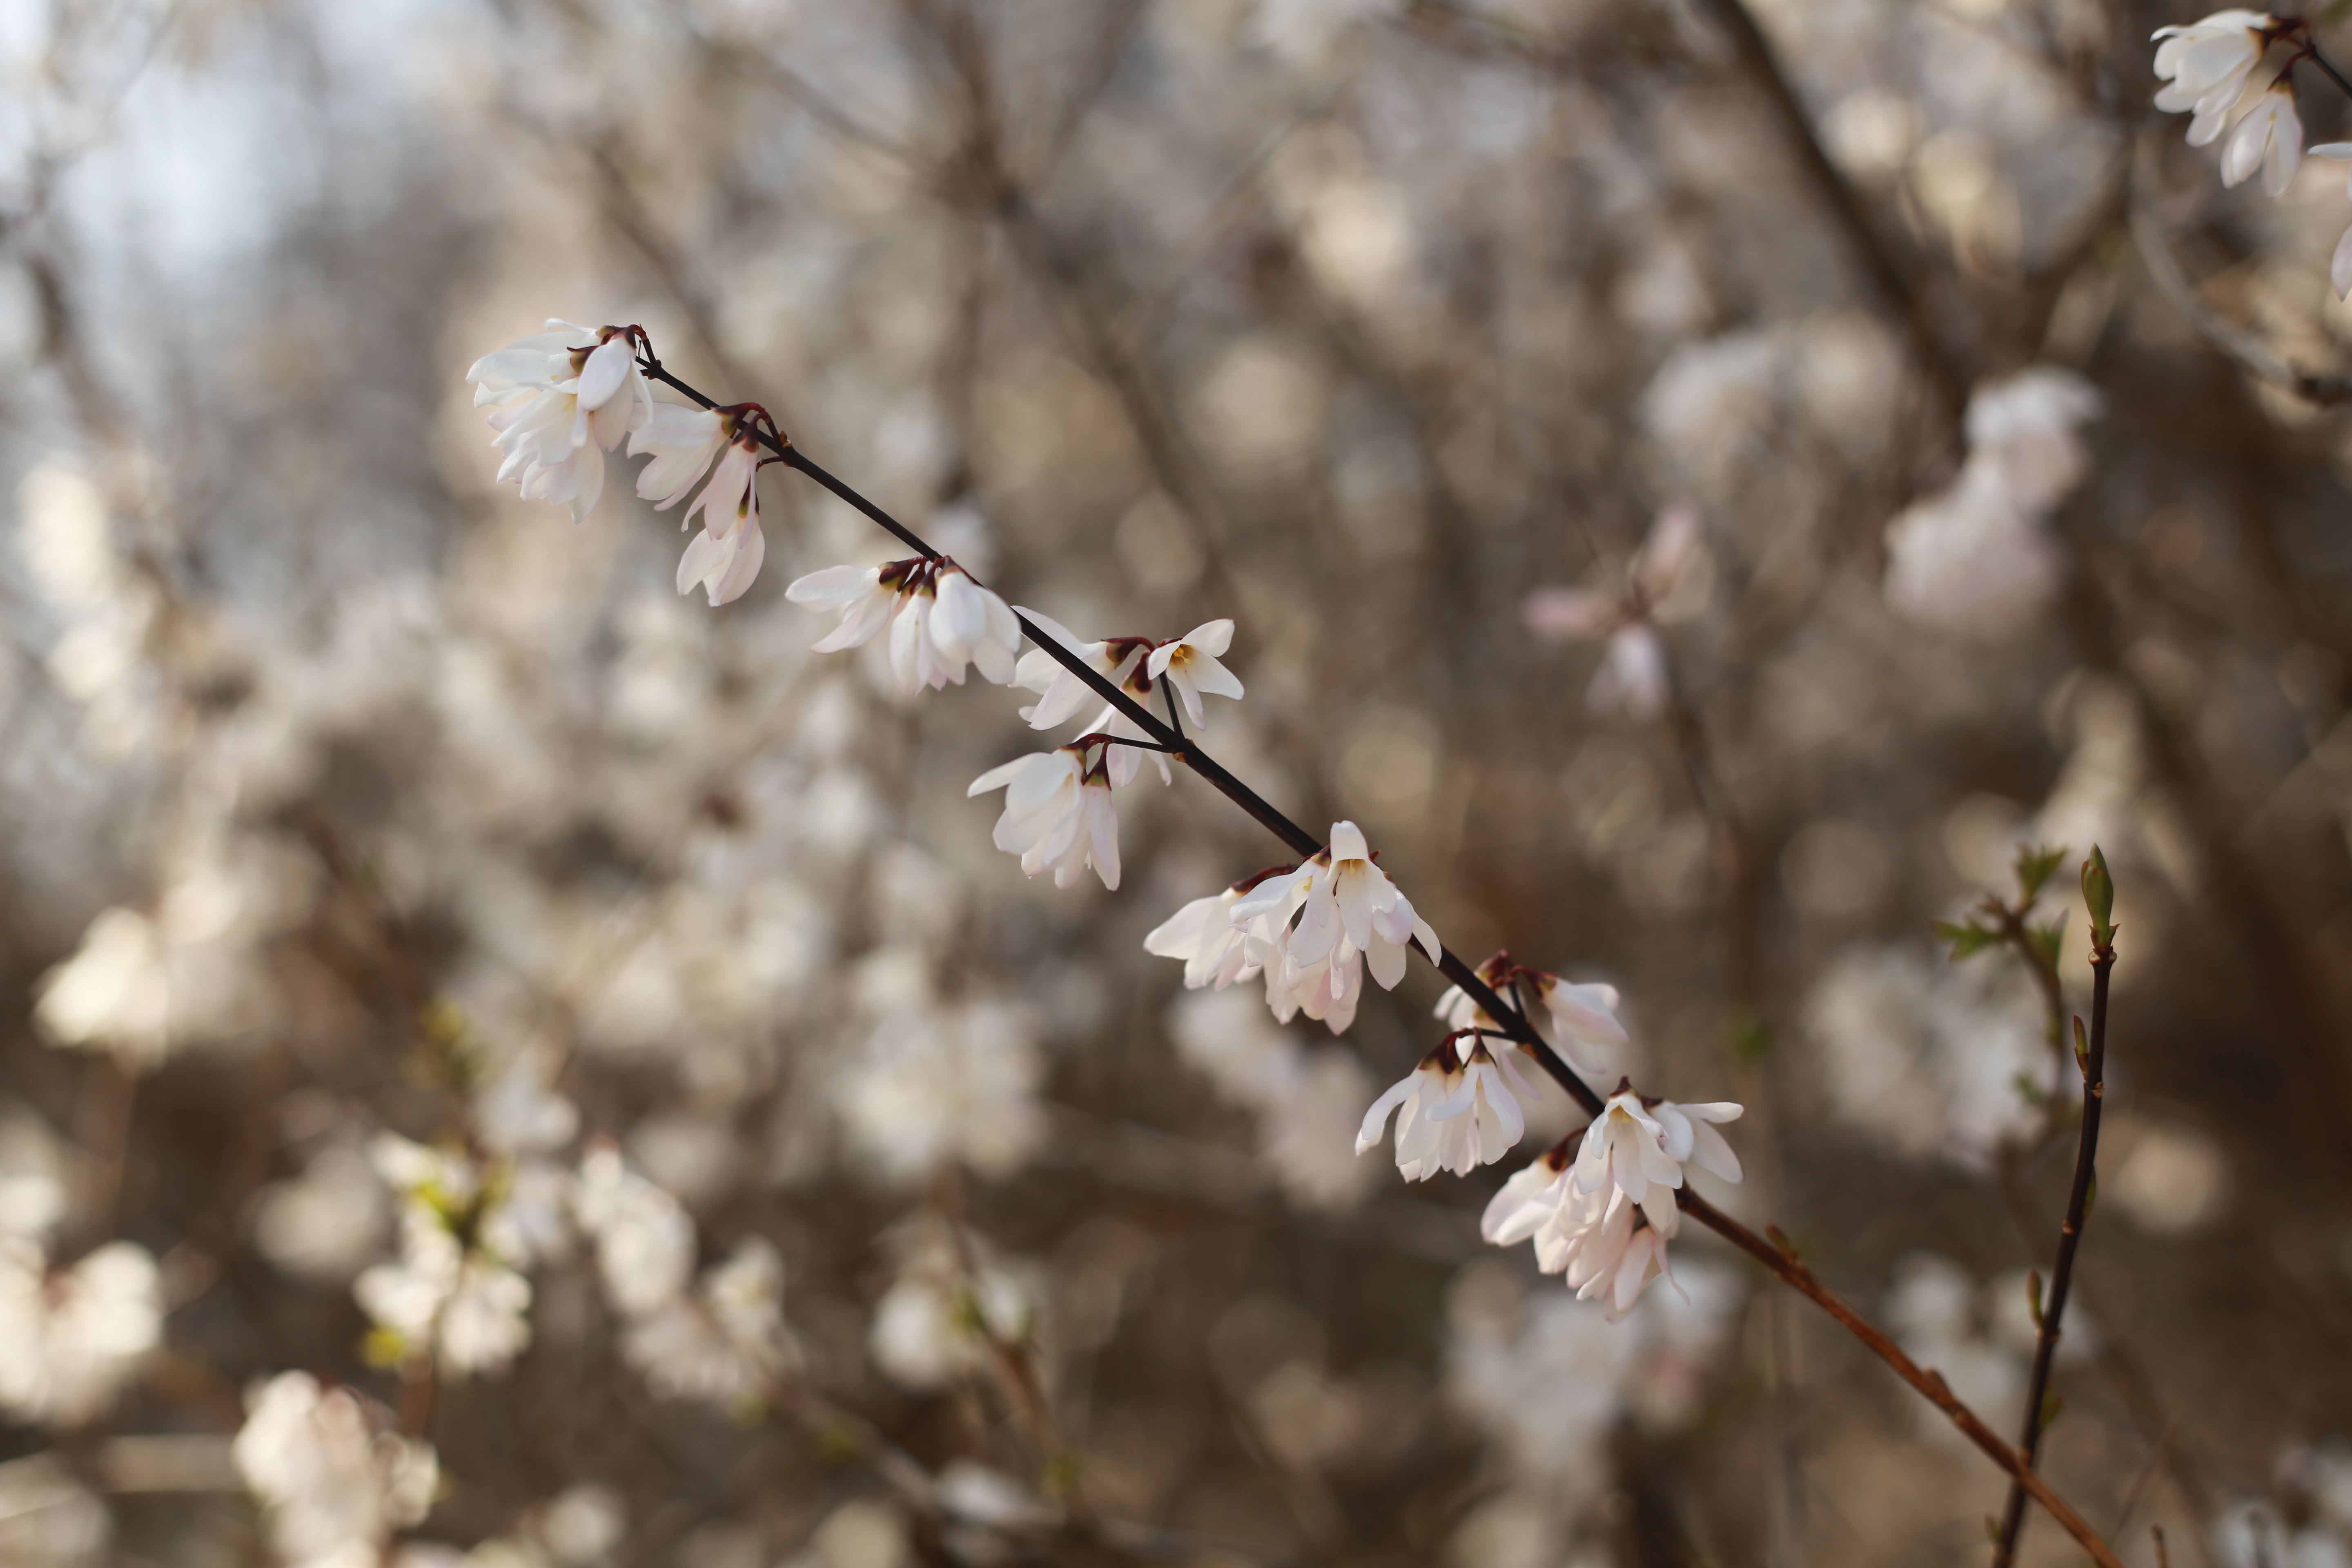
pixel 518 1113
pixel 940 621
pixel 932 1326
pixel 1578 1021
pixel 1305 1110
pixel 1190 664
pixel 70 1338
pixel 935 1084
pixel 559 400
pixel 723 1345
pixel 335 1480
pixel 465 1307
pixel 1458 1112
pixel 2026 426
pixel 2206 66
pixel 724 557
pixel 2270 138
pixel 1968 561
pixel 645 1241
pixel 1058 812
pixel 1669 579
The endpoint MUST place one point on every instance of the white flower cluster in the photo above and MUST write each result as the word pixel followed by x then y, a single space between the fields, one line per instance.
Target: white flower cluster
pixel 1604 1218
pixel 2207 69
pixel 1310 929
pixel 1974 558
pixel 563 398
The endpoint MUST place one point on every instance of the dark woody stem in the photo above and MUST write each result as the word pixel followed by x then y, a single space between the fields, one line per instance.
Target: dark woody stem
pixel 1510 1023
pixel 2070 1236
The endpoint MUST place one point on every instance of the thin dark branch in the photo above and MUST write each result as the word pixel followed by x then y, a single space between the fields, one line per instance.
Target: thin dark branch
pixel 2069 1237
pixel 1511 1022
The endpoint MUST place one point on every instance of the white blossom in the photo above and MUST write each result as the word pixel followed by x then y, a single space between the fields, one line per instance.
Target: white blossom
pixel 559 400
pixel 1639 1149
pixel 933 1325
pixel 1669 580
pixel 2206 66
pixel 1457 1113
pixel 940 621
pixel 723 1345
pixel 1204 935
pixel 1190 663
pixel 333 1480
pixel 71 1337
pixel 1968 561
pixel 1313 928
pixel 1057 813
pixel 2270 138
pixel 1121 661
pixel 724 557
pixel 2026 426
pixel 683 442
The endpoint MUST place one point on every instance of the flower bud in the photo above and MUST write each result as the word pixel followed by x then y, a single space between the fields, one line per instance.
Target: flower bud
pixel 2099 898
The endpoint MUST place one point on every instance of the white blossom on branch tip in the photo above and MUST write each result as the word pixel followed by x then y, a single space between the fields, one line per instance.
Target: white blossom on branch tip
pixel 1058 812
pixel 2206 66
pixel 1458 1112
pixel 559 400
pixel 1638 1147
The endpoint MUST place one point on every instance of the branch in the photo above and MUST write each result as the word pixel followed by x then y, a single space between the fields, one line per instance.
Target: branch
pixel 2070 1232
pixel 1511 1022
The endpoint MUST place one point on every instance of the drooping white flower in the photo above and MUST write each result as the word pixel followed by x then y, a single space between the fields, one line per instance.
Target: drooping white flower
pixel 1190 664
pixel 1309 928
pixel 724 557
pixel 559 400
pixel 2206 66
pixel 335 1480
pixel 941 620
pixel 1202 933
pixel 2270 138
pixel 683 442
pixel 1058 812
pixel 1458 1112
pixel 1639 1149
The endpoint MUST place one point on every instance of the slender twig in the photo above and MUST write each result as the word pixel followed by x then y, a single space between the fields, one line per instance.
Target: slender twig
pixel 2070 1236
pixel 1509 1021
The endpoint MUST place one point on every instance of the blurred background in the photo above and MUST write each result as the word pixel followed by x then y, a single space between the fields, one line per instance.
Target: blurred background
pixel 502 1064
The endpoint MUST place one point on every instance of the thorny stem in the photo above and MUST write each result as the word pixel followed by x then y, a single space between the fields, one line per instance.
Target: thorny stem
pixel 2069 1237
pixel 1511 1022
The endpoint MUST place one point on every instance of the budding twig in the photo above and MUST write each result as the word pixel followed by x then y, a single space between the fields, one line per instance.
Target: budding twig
pixel 2098 892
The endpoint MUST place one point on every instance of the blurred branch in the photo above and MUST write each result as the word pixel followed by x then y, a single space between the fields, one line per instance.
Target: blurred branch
pixel 2243 348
